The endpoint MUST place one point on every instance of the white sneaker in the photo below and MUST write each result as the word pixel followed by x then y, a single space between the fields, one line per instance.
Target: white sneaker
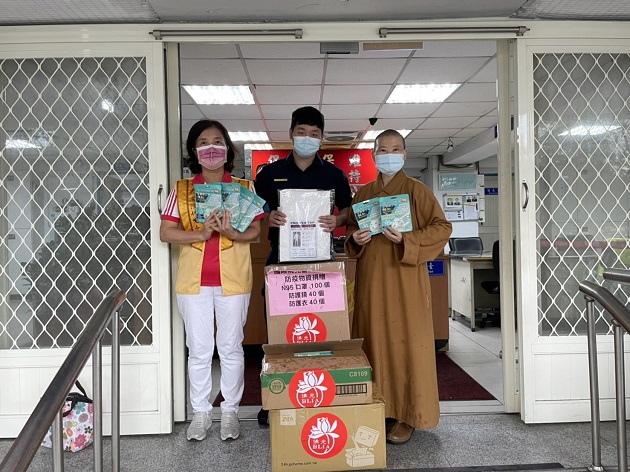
pixel 230 427
pixel 200 423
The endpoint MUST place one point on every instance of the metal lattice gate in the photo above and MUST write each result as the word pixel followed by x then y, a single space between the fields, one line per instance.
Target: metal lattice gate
pixel 582 164
pixel 74 202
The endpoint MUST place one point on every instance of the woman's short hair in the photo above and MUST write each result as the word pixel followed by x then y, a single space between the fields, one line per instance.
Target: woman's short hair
pixel 193 135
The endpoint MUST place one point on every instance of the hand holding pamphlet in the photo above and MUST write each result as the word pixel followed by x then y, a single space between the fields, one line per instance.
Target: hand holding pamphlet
pixel 243 204
pixel 378 212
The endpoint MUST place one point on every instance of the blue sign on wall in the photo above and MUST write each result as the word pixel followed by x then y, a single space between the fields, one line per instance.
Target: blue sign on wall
pixel 491 191
pixel 436 267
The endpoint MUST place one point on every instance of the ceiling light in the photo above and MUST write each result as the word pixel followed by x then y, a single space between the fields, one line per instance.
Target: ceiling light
pixel 364 145
pixel 449 146
pixel 220 94
pixel 258 146
pixel 594 130
pixel 248 136
pixel 373 133
pixel 421 93
pixel 20 144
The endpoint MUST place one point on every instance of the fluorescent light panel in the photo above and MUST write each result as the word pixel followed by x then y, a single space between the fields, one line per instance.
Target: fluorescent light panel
pixel 258 146
pixel 373 133
pixel 421 93
pixel 220 94
pixel 248 136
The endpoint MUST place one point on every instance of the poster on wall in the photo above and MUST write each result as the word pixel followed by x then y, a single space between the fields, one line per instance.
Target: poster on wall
pixel 357 164
pixel 461 206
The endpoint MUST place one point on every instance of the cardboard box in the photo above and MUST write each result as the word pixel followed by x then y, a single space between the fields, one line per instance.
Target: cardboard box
pixel 313 375
pixel 350 437
pixel 306 302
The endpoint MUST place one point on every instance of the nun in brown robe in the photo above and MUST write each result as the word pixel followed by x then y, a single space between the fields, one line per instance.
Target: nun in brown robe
pixel 393 301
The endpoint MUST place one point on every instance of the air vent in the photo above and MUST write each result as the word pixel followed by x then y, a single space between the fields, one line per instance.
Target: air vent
pixel 342 136
pixel 339 48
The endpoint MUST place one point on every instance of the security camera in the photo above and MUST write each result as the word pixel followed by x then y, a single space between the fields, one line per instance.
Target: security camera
pixel 373 121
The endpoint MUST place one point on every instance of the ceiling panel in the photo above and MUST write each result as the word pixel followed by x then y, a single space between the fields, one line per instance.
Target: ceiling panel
pixel 280 112
pixel 279 135
pixel 407 110
pixel 287 94
pixel 346 111
pixel 464 109
pixel 280 50
pixel 487 74
pixel 430 142
pixel 433 133
pixel 207 51
pixel 285 72
pixel 485 122
pixel 340 94
pixel 230 112
pixel 243 125
pixel 364 71
pixel 441 70
pixel 346 125
pixel 471 132
pixel 398 123
pixel 214 72
pixel 191 112
pixel 486 92
pixel 363 54
pixel 457 49
pixel 185 98
pixel 279 125
pixel 452 122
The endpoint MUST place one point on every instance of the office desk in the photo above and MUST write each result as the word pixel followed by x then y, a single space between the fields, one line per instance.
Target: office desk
pixel 466 295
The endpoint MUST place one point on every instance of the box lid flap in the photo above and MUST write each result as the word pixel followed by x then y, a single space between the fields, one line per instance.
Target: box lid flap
pixel 289 349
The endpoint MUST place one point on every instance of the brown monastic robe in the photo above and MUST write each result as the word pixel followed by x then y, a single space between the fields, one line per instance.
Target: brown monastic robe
pixel 393 302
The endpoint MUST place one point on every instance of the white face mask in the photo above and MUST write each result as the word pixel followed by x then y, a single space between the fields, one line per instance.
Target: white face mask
pixel 389 164
pixel 305 146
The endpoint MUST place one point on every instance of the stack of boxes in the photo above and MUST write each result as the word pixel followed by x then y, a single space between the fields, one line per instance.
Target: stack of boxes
pixel 325 414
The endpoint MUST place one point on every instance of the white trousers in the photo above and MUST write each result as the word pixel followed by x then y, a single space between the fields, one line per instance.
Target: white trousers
pixel 198 312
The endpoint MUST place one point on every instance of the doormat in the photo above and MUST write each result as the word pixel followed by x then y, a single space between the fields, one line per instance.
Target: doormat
pixel 454 384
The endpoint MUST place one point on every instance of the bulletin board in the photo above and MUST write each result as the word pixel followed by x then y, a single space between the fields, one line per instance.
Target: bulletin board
pixel 461 206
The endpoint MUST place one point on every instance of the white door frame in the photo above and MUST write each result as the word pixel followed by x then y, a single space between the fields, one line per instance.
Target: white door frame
pixel 149 407
pixel 554 370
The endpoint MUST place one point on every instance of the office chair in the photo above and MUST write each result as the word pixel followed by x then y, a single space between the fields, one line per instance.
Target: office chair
pixel 473 244
pixel 492 286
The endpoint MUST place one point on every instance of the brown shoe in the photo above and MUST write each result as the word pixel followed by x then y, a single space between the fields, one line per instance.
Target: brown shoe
pixel 400 433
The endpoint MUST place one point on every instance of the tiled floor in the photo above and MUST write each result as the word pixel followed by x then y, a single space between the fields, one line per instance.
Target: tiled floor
pixel 465 440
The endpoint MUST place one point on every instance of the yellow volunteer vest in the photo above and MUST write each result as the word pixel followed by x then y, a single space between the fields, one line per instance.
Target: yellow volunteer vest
pixel 234 257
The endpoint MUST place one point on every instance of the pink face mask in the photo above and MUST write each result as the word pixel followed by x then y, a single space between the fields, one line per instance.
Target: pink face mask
pixel 212 156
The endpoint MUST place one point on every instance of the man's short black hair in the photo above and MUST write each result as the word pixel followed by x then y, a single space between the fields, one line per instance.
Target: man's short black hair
pixel 307 116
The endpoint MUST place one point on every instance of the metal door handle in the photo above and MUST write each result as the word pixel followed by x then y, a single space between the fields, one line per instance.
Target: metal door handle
pixel 526 195
pixel 159 198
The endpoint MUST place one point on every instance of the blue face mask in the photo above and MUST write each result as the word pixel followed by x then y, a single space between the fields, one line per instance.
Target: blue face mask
pixel 389 164
pixel 305 146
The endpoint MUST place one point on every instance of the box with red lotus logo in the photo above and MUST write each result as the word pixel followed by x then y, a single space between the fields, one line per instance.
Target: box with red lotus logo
pixel 306 303
pixel 312 375
pixel 349 437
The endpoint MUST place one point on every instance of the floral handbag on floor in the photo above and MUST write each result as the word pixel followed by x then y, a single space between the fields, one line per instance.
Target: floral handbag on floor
pixel 78 422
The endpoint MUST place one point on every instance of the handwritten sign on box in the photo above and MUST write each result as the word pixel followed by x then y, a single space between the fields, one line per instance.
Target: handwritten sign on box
pixel 291 293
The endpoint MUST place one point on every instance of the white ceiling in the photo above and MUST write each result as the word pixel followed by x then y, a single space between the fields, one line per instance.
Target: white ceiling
pixel 348 89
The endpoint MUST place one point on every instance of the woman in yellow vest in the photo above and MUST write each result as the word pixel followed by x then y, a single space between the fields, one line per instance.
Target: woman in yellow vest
pixel 214 279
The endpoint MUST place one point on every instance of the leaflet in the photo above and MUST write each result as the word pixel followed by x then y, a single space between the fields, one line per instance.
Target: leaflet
pixel 302 238
pixel 396 212
pixel 255 208
pixel 368 214
pixel 231 193
pixel 207 199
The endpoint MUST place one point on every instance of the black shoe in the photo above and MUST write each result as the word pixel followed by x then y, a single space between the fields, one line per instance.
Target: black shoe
pixel 263 417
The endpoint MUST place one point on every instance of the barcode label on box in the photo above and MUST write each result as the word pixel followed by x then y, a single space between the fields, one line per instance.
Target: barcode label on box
pixel 351 389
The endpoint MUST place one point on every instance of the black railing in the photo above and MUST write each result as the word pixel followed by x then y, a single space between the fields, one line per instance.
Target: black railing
pixel 49 409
